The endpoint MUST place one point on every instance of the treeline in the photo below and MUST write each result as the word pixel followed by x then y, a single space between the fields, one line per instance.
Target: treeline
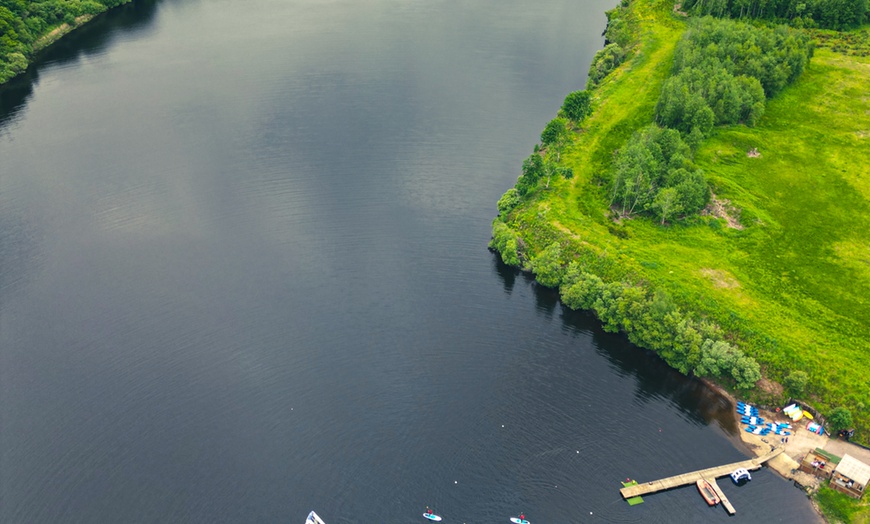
pixel 828 14
pixel 650 320
pixel 23 22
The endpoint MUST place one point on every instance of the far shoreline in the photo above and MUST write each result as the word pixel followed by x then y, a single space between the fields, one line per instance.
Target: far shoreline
pixel 46 40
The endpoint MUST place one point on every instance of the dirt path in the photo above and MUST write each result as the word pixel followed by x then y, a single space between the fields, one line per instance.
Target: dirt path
pixel 840 447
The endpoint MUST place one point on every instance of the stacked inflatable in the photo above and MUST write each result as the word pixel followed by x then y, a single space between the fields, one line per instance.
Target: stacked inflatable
pixel 794 412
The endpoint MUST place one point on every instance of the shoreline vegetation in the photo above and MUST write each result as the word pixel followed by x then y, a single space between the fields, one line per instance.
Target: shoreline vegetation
pixel 30 26
pixel 722 223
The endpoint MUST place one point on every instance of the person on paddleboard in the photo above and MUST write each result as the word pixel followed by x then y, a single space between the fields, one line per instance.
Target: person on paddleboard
pixel 428 510
pixel 522 516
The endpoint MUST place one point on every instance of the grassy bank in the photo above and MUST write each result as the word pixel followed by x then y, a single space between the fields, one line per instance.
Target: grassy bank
pixel 781 260
pixel 837 507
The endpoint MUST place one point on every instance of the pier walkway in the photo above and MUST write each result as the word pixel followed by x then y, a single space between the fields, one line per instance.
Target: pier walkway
pixel 710 474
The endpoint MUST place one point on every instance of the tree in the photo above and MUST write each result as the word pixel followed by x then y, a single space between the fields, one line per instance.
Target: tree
pixel 506 242
pixel 555 133
pixel 547 266
pixel 508 201
pixel 796 383
pixel 746 371
pixel 605 61
pixel 577 105
pixel 666 203
pixel 583 291
pixel 840 418
pixel 532 171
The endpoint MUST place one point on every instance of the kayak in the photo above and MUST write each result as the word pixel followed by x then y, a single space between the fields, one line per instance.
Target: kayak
pixel 519 521
pixel 432 516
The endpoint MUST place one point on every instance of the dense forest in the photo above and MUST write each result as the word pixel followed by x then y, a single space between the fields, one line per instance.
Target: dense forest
pixel 23 23
pixel 828 14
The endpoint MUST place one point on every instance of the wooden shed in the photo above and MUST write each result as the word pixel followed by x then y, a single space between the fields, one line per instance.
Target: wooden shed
pixel 851 477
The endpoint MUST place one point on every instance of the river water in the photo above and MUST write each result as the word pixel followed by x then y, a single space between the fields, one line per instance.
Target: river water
pixel 244 275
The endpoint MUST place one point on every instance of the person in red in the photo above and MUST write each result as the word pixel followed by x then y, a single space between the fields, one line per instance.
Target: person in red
pixel 522 516
pixel 428 510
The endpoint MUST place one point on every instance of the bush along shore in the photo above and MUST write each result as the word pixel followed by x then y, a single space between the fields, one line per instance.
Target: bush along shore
pixel 29 26
pixel 708 195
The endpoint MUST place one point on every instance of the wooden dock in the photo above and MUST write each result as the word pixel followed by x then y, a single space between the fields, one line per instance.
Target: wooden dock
pixel 710 474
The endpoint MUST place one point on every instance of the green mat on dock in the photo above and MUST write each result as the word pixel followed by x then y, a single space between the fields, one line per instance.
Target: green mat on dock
pixel 633 501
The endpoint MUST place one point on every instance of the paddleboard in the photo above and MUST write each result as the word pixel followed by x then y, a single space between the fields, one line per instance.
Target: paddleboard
pixel 432 516
pixel 313 518
pixel 519 521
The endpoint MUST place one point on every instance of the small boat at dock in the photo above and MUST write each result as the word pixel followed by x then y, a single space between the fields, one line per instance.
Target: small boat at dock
pixel 707 492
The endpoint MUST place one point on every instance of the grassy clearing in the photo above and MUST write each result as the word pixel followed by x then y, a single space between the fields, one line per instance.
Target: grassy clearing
pixel 838 507
pixel 792 286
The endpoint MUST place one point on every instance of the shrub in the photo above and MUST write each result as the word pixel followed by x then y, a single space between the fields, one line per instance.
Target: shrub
pixel 796 383
pixel 840 418
pixel 547 266
pixel 508 201
pixel 605 61
pixel 555 133
pixel 577 105
pixel 506 242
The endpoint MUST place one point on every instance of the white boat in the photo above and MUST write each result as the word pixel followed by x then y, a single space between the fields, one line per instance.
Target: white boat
pixel 314 519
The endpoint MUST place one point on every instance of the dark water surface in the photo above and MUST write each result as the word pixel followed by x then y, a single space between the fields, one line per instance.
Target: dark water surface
pixel 243 275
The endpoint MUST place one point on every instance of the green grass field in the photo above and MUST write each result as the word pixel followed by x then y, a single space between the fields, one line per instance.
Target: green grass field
pixel 788 277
